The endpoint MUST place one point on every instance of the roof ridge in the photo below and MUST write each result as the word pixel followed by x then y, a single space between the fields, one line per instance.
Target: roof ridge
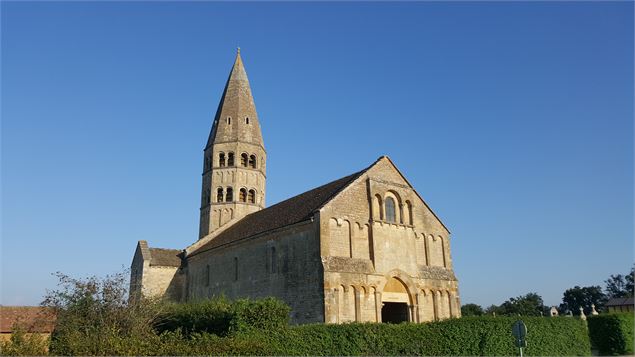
pixel 171 249
pixel 317 188
pixel 356 176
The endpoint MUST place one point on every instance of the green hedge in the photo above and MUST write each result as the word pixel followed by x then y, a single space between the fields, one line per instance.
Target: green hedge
pixel 480 336
pixel 223 317
pixel 469 336
pixel 260 327
pixel 612 334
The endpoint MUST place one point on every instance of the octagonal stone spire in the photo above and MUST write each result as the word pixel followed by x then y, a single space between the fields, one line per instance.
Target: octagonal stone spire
pixel 236 118
pixel 234 159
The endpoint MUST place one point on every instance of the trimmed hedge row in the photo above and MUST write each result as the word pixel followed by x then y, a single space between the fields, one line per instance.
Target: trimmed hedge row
pixel 260 327
pixel 612 334
pixel 469 336
pixel 223 317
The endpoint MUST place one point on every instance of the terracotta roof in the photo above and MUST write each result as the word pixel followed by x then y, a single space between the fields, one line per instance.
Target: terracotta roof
pixel 624 301
pixel 31 318
pixel 165 257
pixel 293 210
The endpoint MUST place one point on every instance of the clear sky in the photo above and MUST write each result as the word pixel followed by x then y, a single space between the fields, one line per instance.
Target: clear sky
pixel 514 121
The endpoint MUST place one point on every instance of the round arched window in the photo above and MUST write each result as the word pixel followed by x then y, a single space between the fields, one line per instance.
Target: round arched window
pixel 390 210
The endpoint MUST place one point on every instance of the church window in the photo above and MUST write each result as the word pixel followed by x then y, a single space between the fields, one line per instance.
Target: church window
pixel 229 197
pixel 246 120
pixel 207 277
pixel 252 161
pixel 219 195
pixel 230 159
pixel 229 120
pixel 242 196
pixel 390 210
pixel 274 261
pixel 409 215
pixel 252 196
pixel 243 160
pixel 235 269
pixel 221 159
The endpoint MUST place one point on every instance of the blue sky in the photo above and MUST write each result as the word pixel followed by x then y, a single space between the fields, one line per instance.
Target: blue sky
pixel 514 121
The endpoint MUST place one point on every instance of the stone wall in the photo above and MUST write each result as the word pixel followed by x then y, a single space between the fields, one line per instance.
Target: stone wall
pixel 162 281
pixel 284 263
pixel 140 260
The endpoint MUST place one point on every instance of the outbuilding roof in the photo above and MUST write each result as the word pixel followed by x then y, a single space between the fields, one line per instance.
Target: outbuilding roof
pixel 34 319
pixel 620 301
pixel 165 257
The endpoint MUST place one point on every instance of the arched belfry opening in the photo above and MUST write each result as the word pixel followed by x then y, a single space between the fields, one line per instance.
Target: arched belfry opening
pixel 395 302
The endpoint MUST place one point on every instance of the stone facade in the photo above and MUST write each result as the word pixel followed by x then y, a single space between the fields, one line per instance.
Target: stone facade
pixel 373 255
pixel 362 248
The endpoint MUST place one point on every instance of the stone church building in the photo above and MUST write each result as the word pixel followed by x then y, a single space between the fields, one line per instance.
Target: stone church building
pixel 365 247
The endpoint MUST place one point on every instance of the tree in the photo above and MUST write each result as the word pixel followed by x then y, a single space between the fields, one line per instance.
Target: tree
pixel 94 315
pixel 619 285
pixel 494 310
pixel 584 297
pixel 527 305
pixel 471 310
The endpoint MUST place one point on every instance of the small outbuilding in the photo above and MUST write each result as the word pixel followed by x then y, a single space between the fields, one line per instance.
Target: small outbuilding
pixel 31 319
pixel 624 304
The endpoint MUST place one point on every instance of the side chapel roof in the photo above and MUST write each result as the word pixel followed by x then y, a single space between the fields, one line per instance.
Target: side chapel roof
pixel 165 257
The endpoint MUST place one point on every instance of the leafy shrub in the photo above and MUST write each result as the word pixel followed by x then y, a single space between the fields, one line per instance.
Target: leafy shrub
pixel 94 317
pixel 268 314
pixel 209 316
pixel 612 334
pixel 22 343
pixel 222 317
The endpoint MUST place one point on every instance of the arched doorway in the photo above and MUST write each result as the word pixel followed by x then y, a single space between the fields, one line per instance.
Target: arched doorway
pixel 395 302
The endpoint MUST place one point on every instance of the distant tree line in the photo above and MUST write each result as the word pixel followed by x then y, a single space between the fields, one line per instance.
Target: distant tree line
pixel 531 304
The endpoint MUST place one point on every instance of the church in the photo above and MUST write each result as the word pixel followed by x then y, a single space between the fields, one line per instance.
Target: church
pixel 364 248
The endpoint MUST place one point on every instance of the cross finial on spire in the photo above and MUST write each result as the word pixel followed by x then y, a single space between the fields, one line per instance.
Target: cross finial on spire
pixel 237 50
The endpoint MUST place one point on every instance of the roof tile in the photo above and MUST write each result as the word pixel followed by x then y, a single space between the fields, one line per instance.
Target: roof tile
pixel 293 210
pixel 31 318
pixel 165 257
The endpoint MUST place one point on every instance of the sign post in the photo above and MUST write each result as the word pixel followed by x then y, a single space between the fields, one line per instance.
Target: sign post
pixel 519 330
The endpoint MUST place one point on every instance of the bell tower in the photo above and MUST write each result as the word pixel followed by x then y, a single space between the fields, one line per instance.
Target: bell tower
pixel 234 164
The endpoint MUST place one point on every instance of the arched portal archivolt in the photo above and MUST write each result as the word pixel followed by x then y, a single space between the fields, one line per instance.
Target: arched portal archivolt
pixel 397 299
pixel 395 291
pixel 405 280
